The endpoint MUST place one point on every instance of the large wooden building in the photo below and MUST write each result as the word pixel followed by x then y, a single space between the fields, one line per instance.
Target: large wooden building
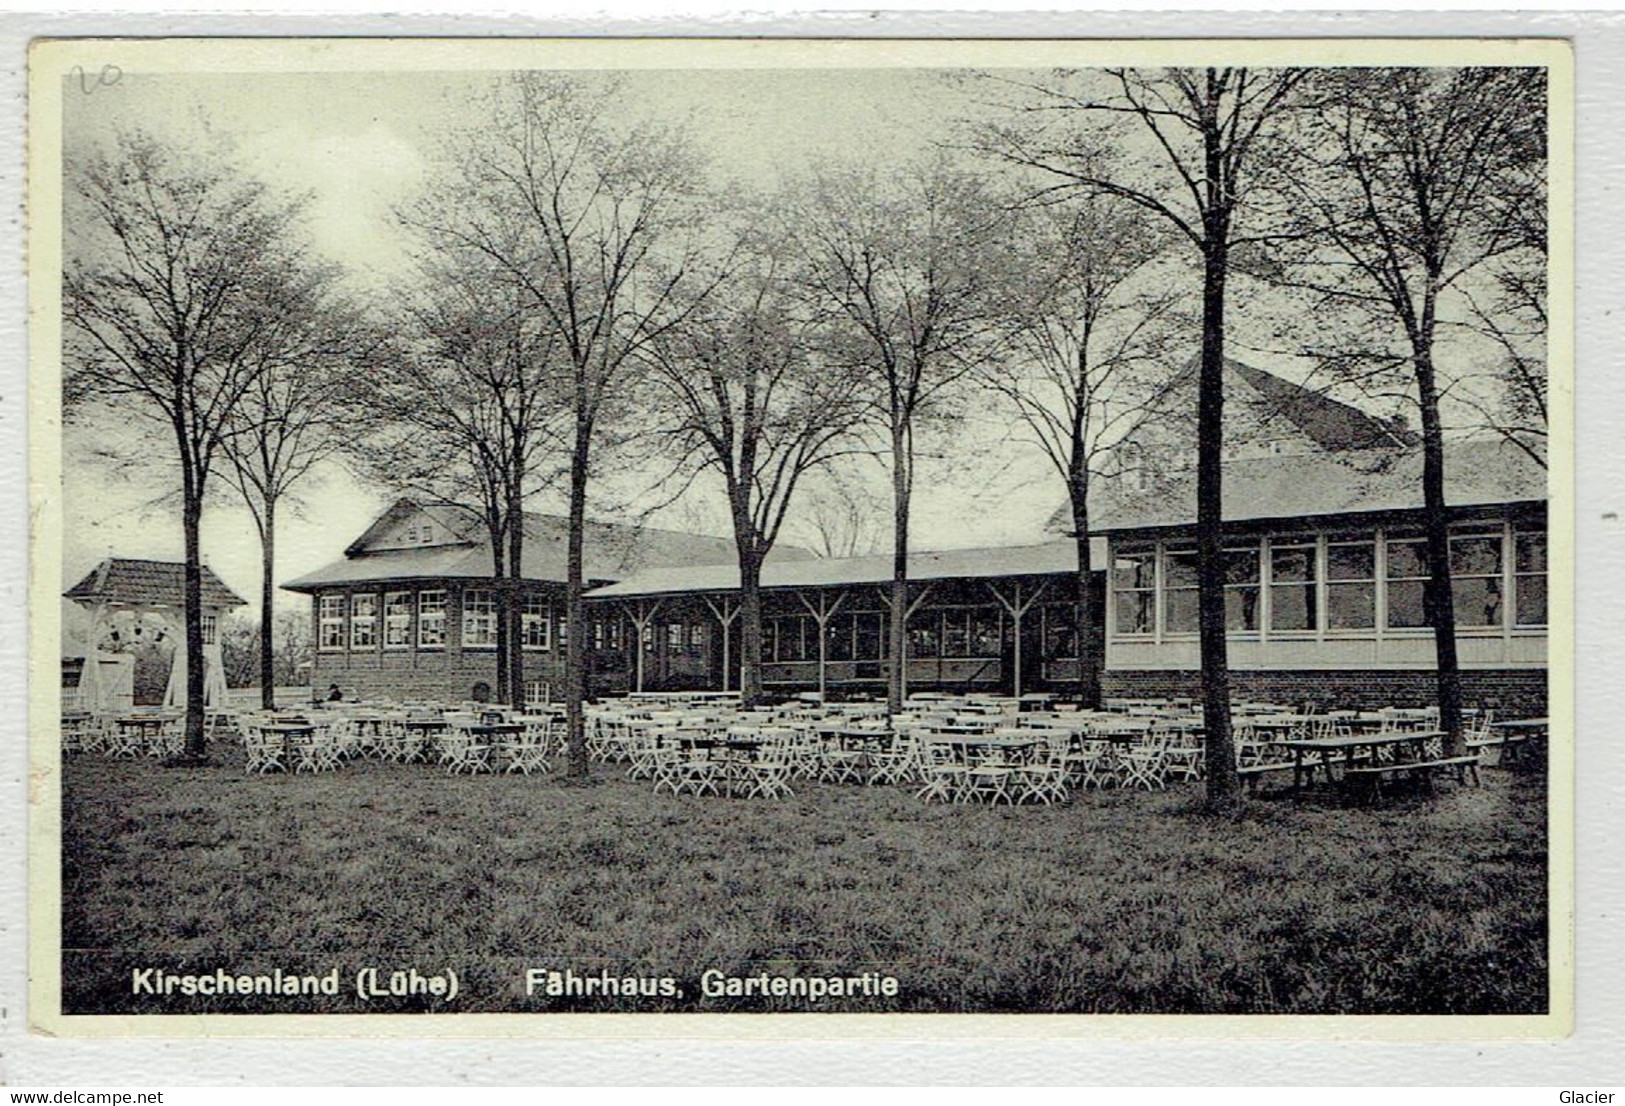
pixel 1324 569
pixel 410 610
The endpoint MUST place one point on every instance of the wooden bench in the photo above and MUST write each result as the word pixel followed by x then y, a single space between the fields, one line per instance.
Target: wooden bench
pixel 1376 773
pixel 1252 773
pixel 1510 746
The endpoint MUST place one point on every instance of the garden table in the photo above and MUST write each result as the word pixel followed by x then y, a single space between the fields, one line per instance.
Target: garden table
pixel 1516 732
pixel 1355 748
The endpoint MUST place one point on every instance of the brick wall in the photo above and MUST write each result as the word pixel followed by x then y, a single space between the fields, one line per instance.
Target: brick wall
pixel 1509 692
pixel 446 676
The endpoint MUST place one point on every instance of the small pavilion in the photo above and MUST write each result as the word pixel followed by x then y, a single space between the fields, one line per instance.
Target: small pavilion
pixel 133 602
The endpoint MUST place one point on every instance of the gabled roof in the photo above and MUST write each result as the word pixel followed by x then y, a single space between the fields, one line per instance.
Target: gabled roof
pixel 611 551
pixel 1329 423
pixel 1478 473
pixel 126 582
pixel 1020 560
pixel 459 521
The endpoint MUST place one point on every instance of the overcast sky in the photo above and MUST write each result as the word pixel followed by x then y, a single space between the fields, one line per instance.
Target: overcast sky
pixel 360 144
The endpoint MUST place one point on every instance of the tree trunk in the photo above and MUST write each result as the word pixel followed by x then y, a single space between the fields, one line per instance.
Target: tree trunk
pixel 897 680
pixel 575 671
pixel 499 579
pixel 196 747
pixel 267 595
pixel 750 623
pixel 512 602
pixel 1223 785
pixel 1439 592
pixel 1083 607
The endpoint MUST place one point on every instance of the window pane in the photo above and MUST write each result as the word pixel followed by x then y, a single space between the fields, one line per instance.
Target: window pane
pixel 431 619
pixel 839 638
pixel 1179 569
pixel 479 618
pixel 1292 607
pixel 1531 555
pixel 1531 600
pixel 1060 638
pixel 956 633
pixel 1405 604
pixel 1351 606
pixel 872 633
pixel 1475 556
pixel 1241 566
pixel 1406 559
pixel 1241 608
pixel 1134 570
pixel 1292 565
pixel 984 634
pixel 1351 562
pixel 1135 610
pixel 792 640
pixel 925 634
pixel 1179 614
pixel 1477 601
pixel 397 619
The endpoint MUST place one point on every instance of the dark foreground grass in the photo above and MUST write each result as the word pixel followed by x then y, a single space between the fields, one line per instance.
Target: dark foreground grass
pixel 1117 903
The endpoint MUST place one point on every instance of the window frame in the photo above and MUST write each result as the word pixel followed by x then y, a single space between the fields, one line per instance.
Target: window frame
pixel 335 602
pixel 1153 627
pixel 536 614
pixel 1519 575
pixel 424 619
pixel 408 624
pixel 478 615
pixel 371 620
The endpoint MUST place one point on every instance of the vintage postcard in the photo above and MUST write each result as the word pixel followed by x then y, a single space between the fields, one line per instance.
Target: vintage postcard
pixel 801 538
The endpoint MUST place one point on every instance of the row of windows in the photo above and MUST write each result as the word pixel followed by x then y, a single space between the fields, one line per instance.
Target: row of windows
pixel 950 633
pixel 1347 582
pixel 402 619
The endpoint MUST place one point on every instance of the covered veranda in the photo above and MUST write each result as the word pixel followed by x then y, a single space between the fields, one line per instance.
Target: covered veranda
pixel 998 621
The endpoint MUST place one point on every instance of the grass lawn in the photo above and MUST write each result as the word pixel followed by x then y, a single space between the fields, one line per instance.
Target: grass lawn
pixel 1116 903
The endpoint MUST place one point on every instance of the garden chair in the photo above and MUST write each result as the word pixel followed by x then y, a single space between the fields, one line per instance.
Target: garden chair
pixel 837 763
pixel 988 777
pixel 1044 780
pixel 1145 763
pixel 695 771
pixel 942 771
pixel 768 773
pixel 527 751
pixel 1089 763
pixel 1183 757
pixel 895 762
pixel 461 750
pixel 306 751
pixel 262 752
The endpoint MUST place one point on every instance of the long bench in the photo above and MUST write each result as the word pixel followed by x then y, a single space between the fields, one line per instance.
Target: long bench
pixel 1252 773
pixel 1375 774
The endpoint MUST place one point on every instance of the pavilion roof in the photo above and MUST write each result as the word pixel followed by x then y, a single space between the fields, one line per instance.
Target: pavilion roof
pixel 123 581
pixel 1020 560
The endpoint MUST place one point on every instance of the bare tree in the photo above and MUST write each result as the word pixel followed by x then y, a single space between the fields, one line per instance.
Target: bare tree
pixel 1417 180
pixel 839 517
pixel 590 220
pixel 905 265
pixel 184 280
pixel 290 418
pixel 757 407
pixel 1208 171
pixel 1510 398
pixel 1089 365
pixel 467 412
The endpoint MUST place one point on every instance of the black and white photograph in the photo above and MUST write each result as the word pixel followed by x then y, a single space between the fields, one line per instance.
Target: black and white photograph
pixel 731 528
